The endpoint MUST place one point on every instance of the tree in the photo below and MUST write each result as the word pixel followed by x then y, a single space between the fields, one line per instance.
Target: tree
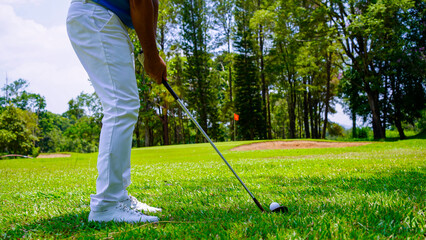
pixel 335 130
pixel 361 26
pixel 248 102
pixel 176 76
pixel 286 50
pixel 85 114
pixel 82 136
pixel 51 128
pixel 18 131
pixel 85 105
pixel 403 58
pixel 375 36
pixel 262 23
pixel 16 94
pixel 354 98
pixel 200 89
pixel 224 25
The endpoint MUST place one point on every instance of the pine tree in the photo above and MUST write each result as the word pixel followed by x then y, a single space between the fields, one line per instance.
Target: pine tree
pixel 201 90
pixel 248 102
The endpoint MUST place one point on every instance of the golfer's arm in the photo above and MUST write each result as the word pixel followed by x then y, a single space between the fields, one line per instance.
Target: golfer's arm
pixel 144 15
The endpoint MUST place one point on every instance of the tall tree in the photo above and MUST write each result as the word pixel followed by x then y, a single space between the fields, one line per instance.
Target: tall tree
pixel 262 24
pixel 354 98
pixel 201 91
pixel 402 54
pixel 360 26
pixel 224 25
pixel 248 102
pixel 286 49
pixel 176 76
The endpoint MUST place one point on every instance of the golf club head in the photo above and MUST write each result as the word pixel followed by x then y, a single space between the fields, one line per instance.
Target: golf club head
pixel 280 209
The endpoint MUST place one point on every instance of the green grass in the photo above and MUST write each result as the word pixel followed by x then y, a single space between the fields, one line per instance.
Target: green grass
pixel 374 191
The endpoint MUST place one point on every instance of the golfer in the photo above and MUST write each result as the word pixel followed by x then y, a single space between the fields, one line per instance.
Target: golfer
pixel 98 33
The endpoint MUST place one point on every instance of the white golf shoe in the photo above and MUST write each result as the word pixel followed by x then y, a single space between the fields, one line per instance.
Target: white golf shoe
pixel 133 203
pixel 120 213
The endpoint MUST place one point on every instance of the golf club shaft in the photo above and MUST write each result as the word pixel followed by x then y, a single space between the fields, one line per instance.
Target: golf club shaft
pixel 166 84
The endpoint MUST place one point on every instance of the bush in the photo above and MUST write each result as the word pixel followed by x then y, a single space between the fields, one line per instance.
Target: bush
pixel 335 130
pixel 421 124
pixel 35 152
pixel 18 129
pixel 363 132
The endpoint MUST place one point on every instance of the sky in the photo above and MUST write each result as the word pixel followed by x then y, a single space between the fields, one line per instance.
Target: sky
pixel 34 46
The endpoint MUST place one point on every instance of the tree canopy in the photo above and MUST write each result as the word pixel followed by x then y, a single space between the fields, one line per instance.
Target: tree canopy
pixel 280 65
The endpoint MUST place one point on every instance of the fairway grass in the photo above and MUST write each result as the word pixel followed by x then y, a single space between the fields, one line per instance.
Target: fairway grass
pixel 376 191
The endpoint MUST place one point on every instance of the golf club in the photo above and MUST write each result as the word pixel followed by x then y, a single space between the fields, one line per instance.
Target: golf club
pixel 175 96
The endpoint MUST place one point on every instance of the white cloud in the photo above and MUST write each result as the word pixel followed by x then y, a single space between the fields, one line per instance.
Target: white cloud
pixel 43 56
pixel 15 2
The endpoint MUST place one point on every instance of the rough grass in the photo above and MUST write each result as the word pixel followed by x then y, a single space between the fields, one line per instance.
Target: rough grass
pixel 373 191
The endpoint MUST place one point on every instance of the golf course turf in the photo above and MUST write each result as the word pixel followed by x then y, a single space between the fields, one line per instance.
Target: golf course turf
pixel 375 191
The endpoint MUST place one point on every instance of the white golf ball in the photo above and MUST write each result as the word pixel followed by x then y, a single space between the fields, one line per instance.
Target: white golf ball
pixel 274 206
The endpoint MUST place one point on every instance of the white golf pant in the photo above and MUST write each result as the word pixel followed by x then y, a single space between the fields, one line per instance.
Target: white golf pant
pixel 103 46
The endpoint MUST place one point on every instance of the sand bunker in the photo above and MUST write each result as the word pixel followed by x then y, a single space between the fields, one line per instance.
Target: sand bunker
pixel 296 145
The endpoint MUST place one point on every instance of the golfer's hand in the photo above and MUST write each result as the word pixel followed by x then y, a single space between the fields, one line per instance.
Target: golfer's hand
pixel 155 67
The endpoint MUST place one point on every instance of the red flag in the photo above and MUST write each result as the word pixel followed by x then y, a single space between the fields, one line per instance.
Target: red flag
pixel 236 117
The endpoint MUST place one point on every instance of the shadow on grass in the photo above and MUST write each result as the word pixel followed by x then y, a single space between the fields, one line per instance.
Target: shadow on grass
pixel 188 223
pixel 61 227
pixel 72 225
pixel 421 135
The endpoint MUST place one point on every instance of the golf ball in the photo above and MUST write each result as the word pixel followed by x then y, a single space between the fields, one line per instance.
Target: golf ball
pixel 274 206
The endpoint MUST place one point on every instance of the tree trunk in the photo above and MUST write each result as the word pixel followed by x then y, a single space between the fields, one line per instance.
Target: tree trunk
pixel 230 99
pixel 305 110
pixel 385 96
pixel 292 112
pixel 138 131
pixel 311 114
pixel 284 134
pixel 269 116
pixel 300 116
pixel 400 129
pixel 263 80
pixel 148 139
pixel 327 96
pixel 179 128
pixel 318 119
pixel 373 102
pixel 165 121
pixel 397 97
pixel 262 77
pixel 354 135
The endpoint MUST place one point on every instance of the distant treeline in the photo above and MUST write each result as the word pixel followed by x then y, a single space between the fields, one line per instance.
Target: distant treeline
pixel 27 128
pixel 281 66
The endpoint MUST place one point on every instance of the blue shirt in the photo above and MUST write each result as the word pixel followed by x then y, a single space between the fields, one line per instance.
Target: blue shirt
pixel 119 7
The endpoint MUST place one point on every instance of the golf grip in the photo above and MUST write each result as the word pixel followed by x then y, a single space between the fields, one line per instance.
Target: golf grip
pixel 175 96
